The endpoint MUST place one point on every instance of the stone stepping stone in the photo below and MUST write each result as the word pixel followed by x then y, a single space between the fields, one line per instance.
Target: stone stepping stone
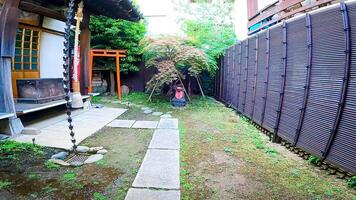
pixel 145 124
pixel 168 123
pixel 82 149
pixel 59 162
pixel 147 194
pixel 159 169
pixel 165 139
pixel 157 113
pixel 61 155
pixel 93 158
pixel 145 108
pixel 166 116
pixel 121 123
pixel 147 111
pixel 103 151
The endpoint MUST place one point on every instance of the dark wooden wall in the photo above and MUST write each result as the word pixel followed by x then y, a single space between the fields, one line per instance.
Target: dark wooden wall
pixel 299 82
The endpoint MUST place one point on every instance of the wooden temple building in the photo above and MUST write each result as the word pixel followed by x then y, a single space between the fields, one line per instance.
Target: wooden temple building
pixel 31 54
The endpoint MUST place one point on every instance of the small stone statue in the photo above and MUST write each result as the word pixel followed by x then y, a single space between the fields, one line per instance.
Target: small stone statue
pixel 179 99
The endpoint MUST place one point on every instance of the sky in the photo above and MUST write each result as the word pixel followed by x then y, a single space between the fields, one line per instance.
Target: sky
pixel 163 19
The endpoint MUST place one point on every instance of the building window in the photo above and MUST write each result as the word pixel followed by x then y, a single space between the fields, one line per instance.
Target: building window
pixel 27 50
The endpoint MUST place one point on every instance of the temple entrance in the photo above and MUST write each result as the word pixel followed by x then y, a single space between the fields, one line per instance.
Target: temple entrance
pixel 117 54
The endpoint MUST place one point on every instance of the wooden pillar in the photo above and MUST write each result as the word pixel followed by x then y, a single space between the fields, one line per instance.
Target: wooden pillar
pixel 8 27
pixel 85 53
pixel 118 77
pixel 91 57
pixel 112 82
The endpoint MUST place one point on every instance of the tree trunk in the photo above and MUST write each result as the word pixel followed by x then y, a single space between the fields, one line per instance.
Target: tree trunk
pixel 112 82
pixel 189 87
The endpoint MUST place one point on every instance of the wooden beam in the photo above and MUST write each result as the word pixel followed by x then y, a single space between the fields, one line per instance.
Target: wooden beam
pixel 33 8
pixel 8 28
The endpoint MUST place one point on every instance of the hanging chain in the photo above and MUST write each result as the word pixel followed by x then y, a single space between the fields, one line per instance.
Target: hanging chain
pixel 66 66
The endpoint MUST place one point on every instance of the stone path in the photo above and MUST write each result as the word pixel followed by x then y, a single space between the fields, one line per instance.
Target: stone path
pixel 121 123
pixel 164 123
pixel 55 133
pixel 145 124
pixel 168 123
pixel 147 194
pixel 165 139
pixel 158 176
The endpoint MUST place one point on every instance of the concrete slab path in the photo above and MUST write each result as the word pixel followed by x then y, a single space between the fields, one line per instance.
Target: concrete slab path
pixel 165 139
pixel 159 169
pixel 121 123
pixel 158 176
pixel 168 123
pixel 56 133
pixel 145 124
pixel 147 194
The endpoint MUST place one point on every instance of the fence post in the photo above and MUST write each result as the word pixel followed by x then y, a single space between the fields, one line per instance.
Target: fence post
pixel 227 76
pixel 222 77
pixel 246 77
pixel 308 78
pixel 267 76
pixel 234 80
pixel 255 77
pixel 239 74
pixel 283 85
pixel 345 80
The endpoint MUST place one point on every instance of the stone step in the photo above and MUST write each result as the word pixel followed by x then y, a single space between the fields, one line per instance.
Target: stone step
pixel 165 139
pixel 147 194
pixel 168 123
pixel 159 169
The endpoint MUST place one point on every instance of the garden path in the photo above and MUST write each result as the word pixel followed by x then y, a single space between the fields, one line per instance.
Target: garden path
pixel 54 132
pixel 158 176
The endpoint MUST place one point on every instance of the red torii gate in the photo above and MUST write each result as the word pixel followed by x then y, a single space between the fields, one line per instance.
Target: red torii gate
pixel 111 54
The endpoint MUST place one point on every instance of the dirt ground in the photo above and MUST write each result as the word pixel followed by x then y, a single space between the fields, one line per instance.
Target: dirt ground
pixel 109 178
pixel 222 157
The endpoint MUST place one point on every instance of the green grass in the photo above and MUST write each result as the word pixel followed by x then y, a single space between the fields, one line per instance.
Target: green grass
pixel 51 166
pixel 4 184
pixel 207 126
pixel 99 196
pixel 48 189
pixel 352 182
pixel 69 177
pixel 34 176
pixel 11 149
pixel 102 163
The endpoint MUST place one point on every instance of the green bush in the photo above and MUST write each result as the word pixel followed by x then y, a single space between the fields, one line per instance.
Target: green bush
pixel 352 182
pixel 108 33
pixel 313 159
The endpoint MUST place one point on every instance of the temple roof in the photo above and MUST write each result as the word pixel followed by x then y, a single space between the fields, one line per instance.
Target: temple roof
pixel 117 9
